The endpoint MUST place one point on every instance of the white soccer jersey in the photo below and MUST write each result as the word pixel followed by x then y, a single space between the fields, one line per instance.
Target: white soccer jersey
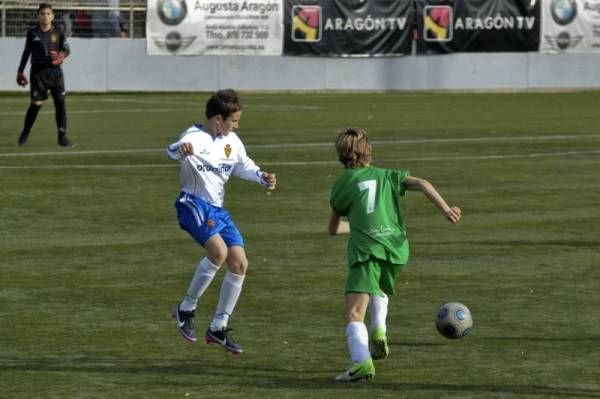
pixel 205 173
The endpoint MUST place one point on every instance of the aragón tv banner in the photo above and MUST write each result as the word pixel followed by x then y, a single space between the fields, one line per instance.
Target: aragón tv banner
pixel 448 26
pixel 570 26
pixel 217 27
pixel 348 27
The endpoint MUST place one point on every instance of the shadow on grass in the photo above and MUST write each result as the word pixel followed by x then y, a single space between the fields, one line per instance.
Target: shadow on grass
pixel 532 390
pixel 416 344
pixel 143 366
pixel 518 243
pixel 269 378
pixel 541 338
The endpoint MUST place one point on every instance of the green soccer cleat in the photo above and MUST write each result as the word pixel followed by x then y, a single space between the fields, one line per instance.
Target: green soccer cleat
pixel 379 347
pixel 358 371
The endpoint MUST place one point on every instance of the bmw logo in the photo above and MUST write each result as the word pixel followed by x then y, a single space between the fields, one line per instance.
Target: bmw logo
pixel 563 11
pixel 171 12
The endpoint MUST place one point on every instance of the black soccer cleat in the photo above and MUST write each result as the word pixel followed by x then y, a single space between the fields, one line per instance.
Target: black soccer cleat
pixel 64 142
pixel 223 338
pixel 185 323
pixel 23 138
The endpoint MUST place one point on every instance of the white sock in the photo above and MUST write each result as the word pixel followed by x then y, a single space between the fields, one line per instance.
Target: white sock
pixel 230 292
pixel 205 272
pixel 378 307
pixel 358 341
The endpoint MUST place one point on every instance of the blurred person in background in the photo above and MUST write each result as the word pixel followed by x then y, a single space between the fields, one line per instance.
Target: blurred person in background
pixel 108 23
pixel 47 45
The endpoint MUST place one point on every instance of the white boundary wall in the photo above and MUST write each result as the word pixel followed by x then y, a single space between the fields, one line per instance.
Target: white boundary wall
pixel 100 65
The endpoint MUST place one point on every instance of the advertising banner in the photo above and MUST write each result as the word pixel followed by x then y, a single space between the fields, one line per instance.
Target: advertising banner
pixel 215 27
pixel 449 26
pixel 570 26
pixel 346 28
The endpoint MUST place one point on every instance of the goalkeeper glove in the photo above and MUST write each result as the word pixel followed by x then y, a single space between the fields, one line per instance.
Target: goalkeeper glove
pixel 21 79
pixel 57 57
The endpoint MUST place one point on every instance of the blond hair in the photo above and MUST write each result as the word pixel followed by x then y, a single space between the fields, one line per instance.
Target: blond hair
pixel 353 148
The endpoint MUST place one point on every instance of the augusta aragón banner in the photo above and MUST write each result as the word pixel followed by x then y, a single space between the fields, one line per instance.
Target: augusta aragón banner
pixel 570 26
pixel 215 27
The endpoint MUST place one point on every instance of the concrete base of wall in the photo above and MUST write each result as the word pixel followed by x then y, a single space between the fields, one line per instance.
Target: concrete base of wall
pixel 100 65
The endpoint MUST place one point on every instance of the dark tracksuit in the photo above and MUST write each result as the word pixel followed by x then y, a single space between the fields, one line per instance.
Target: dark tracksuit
pixel 43 75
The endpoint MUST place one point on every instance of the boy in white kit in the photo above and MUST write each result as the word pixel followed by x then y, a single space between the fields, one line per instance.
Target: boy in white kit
pixel 209 155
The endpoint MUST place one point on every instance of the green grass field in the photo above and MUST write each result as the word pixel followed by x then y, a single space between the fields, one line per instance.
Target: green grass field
pixel 92 258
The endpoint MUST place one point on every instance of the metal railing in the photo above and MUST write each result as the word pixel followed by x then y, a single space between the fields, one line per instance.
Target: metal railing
pixel 82 18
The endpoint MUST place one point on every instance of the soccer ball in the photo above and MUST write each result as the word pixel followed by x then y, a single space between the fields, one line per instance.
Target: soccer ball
pixel 454 320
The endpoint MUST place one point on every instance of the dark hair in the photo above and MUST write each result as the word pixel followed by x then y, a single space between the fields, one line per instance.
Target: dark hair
pixel 44 6
pixel 224 103
pixel 353 148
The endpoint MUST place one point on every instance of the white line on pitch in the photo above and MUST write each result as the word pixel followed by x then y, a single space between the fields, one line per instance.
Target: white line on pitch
pixel 320 144
pixel 456 158
pixel 184 107
pixel 103 111
pixel 434 141
pixel 311 163
pixel 140 166
pixel 90 152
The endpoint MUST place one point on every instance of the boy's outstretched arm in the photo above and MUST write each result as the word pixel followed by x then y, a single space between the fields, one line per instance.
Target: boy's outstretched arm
pixel 337 225
pixel 417 184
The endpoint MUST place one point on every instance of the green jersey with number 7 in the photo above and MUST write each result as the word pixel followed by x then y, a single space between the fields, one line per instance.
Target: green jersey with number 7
pixel 370 198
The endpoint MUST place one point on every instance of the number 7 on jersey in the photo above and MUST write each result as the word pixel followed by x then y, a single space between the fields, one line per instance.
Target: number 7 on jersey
pixel 370 185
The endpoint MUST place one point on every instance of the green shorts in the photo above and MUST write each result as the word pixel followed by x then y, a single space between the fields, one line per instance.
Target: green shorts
pixel 373 277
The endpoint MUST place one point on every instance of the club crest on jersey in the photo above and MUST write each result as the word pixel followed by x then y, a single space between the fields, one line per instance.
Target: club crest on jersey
pixel 211 223
pixel 227 150
pixel 53 38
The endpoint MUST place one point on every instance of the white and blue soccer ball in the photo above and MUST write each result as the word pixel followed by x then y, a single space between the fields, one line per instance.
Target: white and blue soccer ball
pixel 454 320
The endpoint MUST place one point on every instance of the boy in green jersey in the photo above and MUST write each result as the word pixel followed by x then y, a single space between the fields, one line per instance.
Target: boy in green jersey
pixel 377 248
